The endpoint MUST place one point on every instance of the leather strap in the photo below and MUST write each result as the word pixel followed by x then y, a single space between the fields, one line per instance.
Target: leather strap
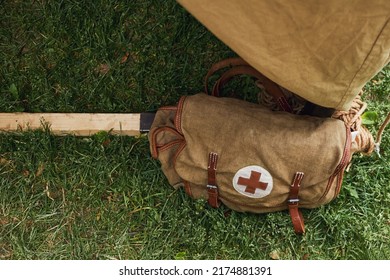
pixel 235 71
pixel 293 204
pixel 229 62
pixel 241 67
pixel 212 188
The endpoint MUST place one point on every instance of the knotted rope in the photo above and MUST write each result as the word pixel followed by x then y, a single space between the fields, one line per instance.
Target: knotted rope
pixel 266 99
pixel 352 118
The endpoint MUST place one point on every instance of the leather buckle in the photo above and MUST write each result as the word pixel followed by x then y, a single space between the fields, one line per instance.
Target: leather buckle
pixel 293 201
pixel 293 204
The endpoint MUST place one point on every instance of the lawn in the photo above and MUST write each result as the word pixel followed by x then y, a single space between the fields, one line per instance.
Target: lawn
pixel 104 197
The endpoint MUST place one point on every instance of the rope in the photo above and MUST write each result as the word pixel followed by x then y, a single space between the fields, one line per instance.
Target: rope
pixel 380 132
pixel 352 118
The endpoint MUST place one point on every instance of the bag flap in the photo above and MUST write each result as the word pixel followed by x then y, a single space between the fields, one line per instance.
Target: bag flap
pixel 245 134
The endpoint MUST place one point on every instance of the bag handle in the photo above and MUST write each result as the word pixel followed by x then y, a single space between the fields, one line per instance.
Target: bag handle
pixel 229 62
pixel 241 67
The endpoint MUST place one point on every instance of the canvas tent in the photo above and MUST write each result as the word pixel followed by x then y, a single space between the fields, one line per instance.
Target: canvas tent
pixel 324 51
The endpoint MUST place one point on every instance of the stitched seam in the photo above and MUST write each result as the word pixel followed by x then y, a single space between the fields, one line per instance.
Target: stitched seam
pixel 168 108
pixel 169 145
pixel 155 145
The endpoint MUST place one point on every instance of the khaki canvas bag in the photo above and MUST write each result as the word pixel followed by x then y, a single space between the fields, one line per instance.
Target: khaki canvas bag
pixel 249 157
pixel 252 158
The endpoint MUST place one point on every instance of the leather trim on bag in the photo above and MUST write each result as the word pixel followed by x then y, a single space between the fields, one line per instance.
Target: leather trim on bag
pixel 341 166
pixel 187 188
pixel 168 108
pixel 179 113
pixel 153 139
pixel 169 145
pixel 340 178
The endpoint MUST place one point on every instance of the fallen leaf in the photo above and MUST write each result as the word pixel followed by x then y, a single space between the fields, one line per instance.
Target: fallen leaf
pixel 5 251
pixel 227 213
pixel 106 142
pixel 4 221
pixel 4 161
pixel 48 191
pixel 24 50
pixel 125 57
pixel 274 255
pixel 103 68
pixel 181 256
pixel 14 91
pixel 50 65
pixel 40 169
pixel 369 117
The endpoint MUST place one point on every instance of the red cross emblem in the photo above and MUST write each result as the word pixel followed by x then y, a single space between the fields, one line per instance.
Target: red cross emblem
pixel 253 182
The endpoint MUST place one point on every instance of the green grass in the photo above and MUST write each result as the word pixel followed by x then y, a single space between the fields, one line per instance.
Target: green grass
pixel 104 197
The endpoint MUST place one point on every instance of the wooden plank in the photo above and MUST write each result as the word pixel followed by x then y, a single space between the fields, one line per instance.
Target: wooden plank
pixel 79 124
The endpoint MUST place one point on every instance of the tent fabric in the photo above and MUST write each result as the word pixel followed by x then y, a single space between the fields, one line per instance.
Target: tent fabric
pixel 324 51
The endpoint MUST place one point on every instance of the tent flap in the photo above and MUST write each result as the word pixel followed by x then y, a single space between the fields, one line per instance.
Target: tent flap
pixel 324 51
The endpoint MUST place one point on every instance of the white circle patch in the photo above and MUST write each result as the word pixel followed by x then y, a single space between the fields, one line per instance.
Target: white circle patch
pixel 253 181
